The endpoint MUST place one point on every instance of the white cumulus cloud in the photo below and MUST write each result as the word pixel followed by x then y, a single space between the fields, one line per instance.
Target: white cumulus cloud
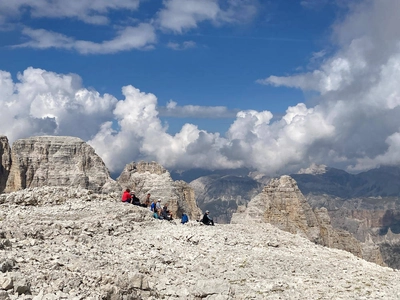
pixel 358 87
pixel 43 102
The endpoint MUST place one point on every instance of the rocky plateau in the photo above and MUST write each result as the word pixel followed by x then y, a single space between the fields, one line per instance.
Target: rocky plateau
pixel 71 243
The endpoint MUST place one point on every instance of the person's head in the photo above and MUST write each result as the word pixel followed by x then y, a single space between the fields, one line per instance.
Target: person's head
pixel 159 200
pixel 133 192
pixel 128 190
pixel 207 212
pixel 148 195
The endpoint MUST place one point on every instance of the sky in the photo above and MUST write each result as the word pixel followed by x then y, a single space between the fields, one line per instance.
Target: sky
pixel 274 86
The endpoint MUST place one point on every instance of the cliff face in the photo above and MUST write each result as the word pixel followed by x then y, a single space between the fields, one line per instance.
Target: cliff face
pixel 222 195
pixel 5 161
pixel 282 204
pixel 55 161
pixel 150 177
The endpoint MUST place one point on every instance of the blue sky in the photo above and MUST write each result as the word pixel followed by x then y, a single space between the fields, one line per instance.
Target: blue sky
pixel 223 83
pixel 219 67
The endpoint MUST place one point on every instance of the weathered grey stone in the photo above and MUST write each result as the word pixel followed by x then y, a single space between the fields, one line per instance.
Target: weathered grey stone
pixel 4 295
pixel 6 282
pixel 21 285
pixel 150 177
pixel 6 264
pixel 5 161
pixel 55 161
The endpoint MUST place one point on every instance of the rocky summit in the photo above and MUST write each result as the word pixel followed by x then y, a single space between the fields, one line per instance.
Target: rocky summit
pixel 55 161
pixel 71 243
pixel 150 177
pixel 281 203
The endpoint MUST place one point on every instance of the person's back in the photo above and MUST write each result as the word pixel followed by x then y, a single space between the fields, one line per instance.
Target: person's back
pixel 135 200
pixel 153 207
pixel 184 219
pixel 165 213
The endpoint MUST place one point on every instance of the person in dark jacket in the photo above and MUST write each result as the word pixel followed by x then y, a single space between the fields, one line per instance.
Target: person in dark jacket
pixel 135 200
pixel 165 213
pixel 207 219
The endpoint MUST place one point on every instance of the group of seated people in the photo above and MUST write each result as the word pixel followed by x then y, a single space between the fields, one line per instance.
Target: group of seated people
pixel 159 212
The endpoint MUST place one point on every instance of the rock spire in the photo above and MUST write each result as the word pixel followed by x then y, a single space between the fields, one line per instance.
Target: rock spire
pixel 282 204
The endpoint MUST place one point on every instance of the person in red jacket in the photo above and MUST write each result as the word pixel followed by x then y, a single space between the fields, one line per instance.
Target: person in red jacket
pixel 126 196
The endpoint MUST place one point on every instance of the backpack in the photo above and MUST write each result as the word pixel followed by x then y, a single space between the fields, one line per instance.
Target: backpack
pixel 185 219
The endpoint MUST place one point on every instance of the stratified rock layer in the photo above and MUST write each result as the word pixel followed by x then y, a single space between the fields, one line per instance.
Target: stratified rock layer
pixel 282 204
pixel 76 244
pixel 5 161
pixel 55 161
pixel 151 177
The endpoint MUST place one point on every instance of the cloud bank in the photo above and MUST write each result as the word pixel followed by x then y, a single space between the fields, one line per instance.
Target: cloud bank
pixel 121 131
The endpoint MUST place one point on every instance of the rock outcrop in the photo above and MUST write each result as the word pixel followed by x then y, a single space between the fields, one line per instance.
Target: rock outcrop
pixel 365 204
pixel 76 244
pixel 151 177
pixel 56 161
pixel 5 161
pixel 282 204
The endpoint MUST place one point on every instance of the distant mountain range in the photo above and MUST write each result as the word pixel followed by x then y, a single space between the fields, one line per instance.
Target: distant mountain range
pixel 366 204
pixel 221 191
pixel 380 182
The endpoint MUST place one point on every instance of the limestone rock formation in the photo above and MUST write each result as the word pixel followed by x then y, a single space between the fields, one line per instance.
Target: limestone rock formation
pixel 282 204
pixel 5 161
pixel 56 161
pixel 365 204
pixel 76 244
pixel 151 177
